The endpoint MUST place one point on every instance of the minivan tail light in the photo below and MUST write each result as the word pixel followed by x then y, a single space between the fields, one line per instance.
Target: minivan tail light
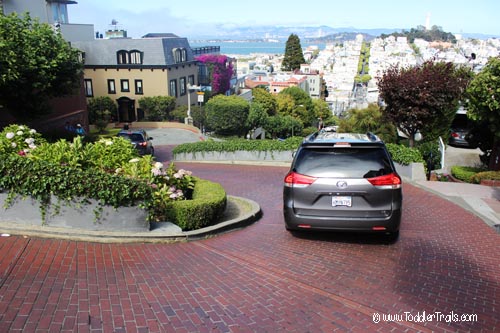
pixel 391 181
pixel 294 179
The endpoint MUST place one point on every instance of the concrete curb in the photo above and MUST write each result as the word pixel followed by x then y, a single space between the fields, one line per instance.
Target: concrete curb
pixel 241 212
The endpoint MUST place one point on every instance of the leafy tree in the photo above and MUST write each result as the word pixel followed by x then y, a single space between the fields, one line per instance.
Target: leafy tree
pixel 303 107
pixel 294 57
pixel 285 104
pixel 266 100
pixel 36 64
pixel 199 116
pixel 100 111
pixel 257 116
pixel 283 126
pixel 366 120
pixel 483 105
pixel 227 115
pixel 423 98
pixel 157 108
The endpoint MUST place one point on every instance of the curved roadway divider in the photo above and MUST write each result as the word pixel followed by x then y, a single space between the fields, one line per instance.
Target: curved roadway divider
pixel 239 213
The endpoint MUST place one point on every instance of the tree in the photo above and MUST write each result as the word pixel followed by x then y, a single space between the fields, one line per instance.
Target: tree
pixel 423 98
pixel 283 126
pixel 266 100
pixel 483 105
pixel 257 116
pixel 36 64
pixel 227 115
pixel 157 108
pixel 294 57
pixel 303 107
pixel 100 111
pixel 366 120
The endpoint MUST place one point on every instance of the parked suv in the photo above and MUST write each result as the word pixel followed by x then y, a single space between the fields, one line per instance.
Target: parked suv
pixel 343 182
pixel 140 140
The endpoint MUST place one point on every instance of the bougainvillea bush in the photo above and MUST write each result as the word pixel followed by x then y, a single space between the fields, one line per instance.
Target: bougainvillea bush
pixel 220 71
pixel 109 171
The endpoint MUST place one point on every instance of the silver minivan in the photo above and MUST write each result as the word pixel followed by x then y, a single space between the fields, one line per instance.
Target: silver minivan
pixel 343 182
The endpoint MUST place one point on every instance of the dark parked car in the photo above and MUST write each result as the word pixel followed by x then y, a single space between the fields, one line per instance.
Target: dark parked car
pixel 343 182
pixel 140 140
pixel 460 128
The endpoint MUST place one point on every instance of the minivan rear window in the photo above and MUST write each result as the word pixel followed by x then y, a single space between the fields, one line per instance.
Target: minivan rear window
pixel 343 162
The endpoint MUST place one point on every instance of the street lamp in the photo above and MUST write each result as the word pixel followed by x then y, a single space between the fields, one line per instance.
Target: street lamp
pixel 189 119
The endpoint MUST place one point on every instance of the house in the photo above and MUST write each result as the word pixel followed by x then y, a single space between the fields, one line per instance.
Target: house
pixel 72 108
pixel 125 69
pixel 53 12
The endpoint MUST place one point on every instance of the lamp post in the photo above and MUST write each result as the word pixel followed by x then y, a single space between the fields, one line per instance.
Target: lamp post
pixel 189 119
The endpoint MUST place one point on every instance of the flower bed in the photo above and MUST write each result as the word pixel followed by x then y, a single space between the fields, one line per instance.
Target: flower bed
pixel 97 176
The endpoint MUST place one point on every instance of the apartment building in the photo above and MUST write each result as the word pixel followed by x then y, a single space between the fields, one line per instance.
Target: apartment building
pixel 128 69
pixel 53 12
pixel 72 108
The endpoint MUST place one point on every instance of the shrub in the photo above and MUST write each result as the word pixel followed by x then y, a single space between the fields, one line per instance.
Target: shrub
pixel 19 139
pixel 157 108
pixel 485 175
pixel 109 171
pixel 227 115
pixel 430 153
pixel 464 173
pixel 238 144
pixel 206 207
pixel 100 110
pixel 404 155
pixel 41 179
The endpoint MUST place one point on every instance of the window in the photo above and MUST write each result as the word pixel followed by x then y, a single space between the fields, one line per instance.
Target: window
pixel 124 85
pixel 59 12
pixel 173 88
pixel 180 55
pixel 135 57
pixel 122 57
pixel 191 80
pixel 89 92
pixel 138 87
pixel 111 86
pixel 182 88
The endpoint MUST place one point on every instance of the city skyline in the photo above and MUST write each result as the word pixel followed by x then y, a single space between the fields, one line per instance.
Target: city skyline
pixel 201 18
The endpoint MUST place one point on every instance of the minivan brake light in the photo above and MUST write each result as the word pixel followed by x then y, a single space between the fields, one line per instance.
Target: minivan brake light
pixel 294 179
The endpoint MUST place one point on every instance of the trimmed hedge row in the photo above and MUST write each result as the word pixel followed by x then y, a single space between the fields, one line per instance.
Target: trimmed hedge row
pixel 206 207
pixel 464 173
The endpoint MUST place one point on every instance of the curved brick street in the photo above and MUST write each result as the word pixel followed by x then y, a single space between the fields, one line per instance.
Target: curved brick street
pixel 261 278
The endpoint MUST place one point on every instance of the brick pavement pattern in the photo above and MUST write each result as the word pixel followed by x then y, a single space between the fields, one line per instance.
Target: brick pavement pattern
pixel 261 278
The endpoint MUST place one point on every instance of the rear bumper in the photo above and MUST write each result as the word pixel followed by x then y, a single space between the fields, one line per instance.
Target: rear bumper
pixel 301 222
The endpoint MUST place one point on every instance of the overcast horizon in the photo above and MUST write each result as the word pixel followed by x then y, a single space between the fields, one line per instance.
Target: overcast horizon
pixel 201 18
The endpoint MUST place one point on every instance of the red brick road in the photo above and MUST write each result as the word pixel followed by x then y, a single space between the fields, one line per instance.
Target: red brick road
pixel 261 278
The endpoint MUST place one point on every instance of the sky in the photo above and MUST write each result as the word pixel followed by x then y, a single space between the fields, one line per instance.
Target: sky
pixel 197 18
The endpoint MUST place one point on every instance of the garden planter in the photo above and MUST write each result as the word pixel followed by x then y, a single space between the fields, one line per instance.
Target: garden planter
pixel 26 211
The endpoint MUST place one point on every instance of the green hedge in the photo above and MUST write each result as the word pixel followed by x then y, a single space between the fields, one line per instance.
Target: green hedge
pixel 206 207
pixel 239 144
pixel 486 175
pixel 464 173
pixel 404 155
pixel 40 179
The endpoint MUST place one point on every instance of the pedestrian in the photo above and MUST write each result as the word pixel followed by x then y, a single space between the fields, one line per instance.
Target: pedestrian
pixel 80 130
pixel 320 124
pixel 126 127
pixel 68 127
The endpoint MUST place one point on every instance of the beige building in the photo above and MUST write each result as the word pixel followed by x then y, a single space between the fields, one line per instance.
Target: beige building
pixel 128 69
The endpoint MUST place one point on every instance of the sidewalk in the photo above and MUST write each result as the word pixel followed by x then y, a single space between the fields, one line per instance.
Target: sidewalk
pixel 481 200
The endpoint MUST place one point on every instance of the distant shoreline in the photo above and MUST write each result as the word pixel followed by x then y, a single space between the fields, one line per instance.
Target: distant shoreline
pixel 247 48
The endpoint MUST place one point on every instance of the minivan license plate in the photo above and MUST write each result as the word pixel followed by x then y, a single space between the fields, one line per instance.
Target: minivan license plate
pixel 342 201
